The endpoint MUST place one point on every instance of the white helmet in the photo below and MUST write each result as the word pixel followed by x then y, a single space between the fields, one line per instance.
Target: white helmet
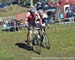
pixel 41 12
pixel 33 9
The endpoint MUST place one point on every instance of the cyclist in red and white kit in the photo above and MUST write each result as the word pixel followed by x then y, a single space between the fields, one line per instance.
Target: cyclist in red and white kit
pixel 31 16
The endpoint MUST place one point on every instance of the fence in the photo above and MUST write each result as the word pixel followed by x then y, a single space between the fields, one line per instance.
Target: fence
pixel 66 20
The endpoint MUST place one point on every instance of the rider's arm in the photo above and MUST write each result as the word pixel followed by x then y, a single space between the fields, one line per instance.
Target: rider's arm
pixel 26 18
pixel 39 18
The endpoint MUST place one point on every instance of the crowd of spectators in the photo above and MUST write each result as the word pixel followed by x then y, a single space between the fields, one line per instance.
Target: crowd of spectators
pixel 13 25
pixel 53 15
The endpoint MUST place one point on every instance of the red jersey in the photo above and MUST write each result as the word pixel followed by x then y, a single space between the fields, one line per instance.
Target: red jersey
pixel 32 17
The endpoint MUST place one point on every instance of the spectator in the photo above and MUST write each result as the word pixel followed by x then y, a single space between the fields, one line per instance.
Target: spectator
pixel 14 24
pixel 61 17
pixel 71 16
pixel 65 15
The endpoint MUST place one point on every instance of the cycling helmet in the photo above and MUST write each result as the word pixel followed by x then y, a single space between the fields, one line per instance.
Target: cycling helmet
pixel 33 9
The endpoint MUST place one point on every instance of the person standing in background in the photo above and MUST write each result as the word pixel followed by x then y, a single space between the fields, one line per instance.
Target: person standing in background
pixel 14 24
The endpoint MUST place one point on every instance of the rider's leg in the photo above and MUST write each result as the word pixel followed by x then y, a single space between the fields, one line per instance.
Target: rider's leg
pixel 29 37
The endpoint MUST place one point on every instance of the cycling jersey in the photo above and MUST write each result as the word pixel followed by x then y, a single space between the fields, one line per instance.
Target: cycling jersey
pixel 33 19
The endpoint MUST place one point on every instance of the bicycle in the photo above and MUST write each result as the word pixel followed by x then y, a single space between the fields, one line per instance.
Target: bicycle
pixel 40 38
pixel 36 40
pixel 44 39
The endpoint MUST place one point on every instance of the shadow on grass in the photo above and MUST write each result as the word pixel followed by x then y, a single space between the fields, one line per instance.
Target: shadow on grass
pixel 23 46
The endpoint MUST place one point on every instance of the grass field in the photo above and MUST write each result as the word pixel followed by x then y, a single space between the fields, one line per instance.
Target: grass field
pixel 12 10
pixel 62 40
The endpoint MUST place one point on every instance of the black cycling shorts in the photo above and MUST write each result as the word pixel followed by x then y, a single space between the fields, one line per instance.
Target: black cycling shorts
pixel 31 24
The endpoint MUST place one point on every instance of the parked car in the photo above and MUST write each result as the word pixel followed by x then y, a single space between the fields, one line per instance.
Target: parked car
pixel 5 4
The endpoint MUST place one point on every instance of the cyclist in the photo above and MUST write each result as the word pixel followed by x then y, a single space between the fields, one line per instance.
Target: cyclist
pixel 45 19
pixel 31 17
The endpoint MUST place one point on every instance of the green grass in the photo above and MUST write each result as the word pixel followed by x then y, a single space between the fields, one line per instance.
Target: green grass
pixel 62 40
pixel 12 10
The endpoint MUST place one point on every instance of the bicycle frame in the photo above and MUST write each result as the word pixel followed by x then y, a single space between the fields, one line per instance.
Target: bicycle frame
pixel 36 40
pixel 44 39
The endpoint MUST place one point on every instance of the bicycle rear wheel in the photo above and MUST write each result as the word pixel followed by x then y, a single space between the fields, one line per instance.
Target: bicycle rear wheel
pixel 37 46
pixel 45 41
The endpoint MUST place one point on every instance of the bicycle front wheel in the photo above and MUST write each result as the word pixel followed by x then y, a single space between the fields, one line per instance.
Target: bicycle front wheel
pixel 37 46
pixel 45 41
